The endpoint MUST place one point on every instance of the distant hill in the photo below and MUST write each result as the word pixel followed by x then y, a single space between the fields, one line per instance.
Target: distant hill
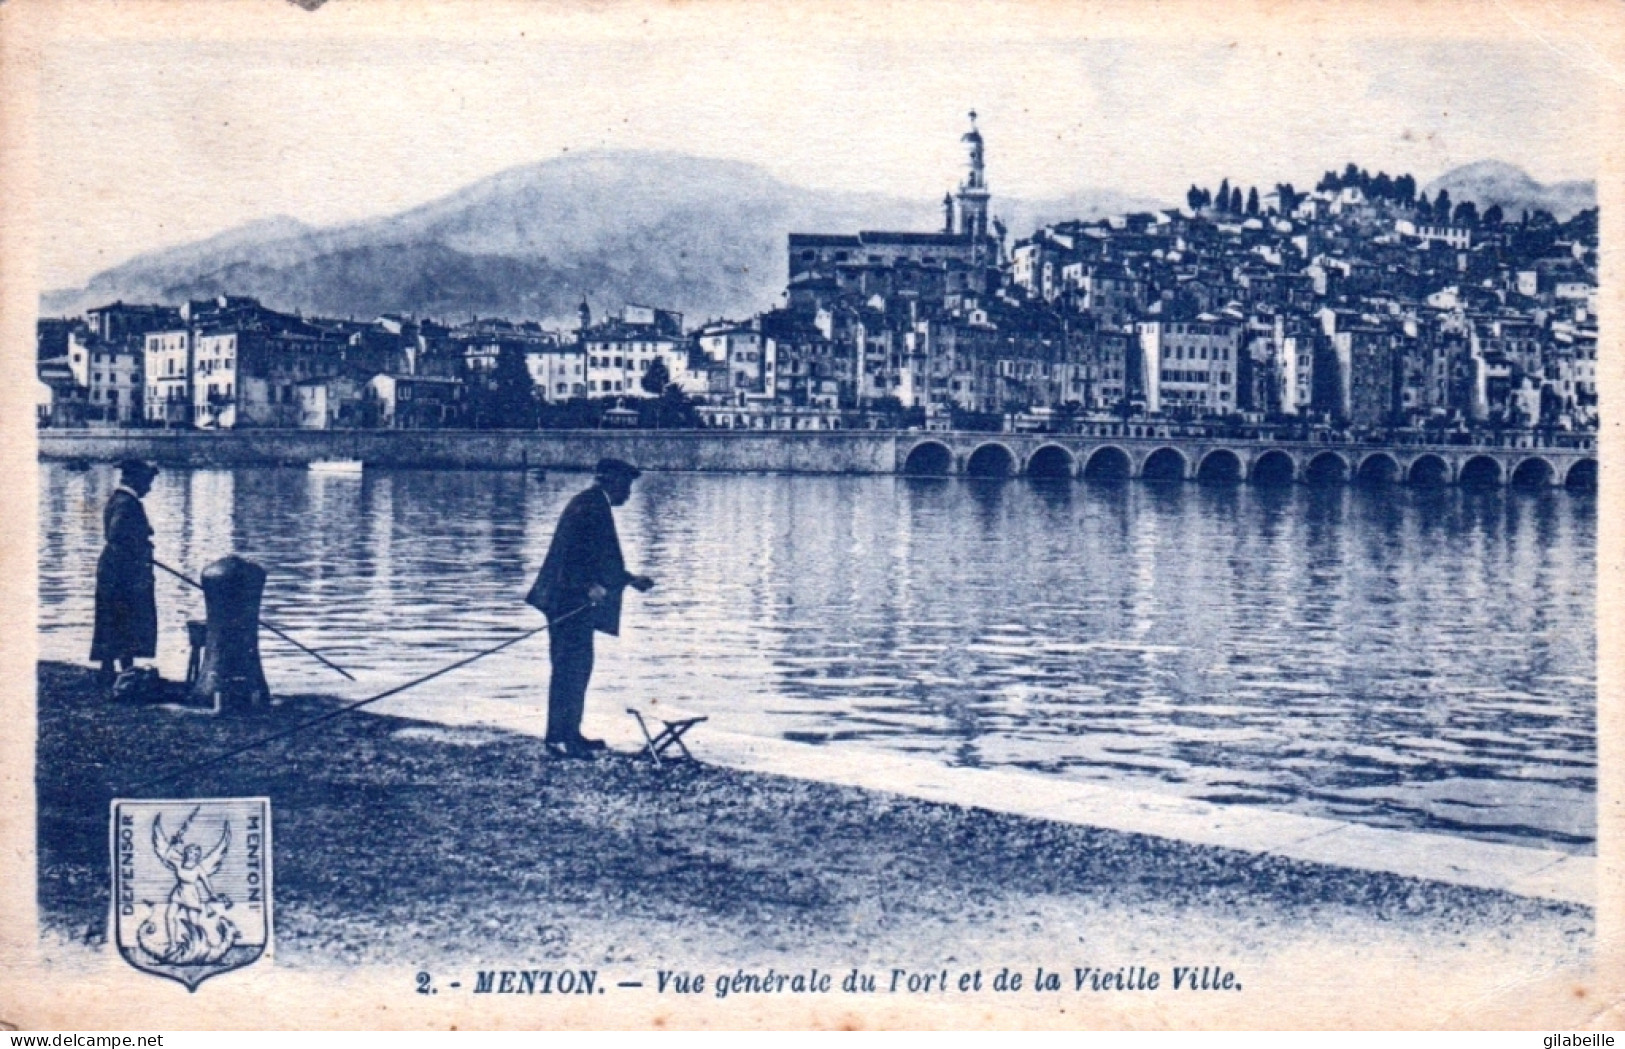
pixel 1489 182
pixel 703 236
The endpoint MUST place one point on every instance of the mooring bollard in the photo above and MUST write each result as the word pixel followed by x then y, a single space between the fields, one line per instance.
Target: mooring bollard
pixel 231 673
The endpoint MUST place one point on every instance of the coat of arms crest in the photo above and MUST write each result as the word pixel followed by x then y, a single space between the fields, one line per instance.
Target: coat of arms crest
pixel 192 885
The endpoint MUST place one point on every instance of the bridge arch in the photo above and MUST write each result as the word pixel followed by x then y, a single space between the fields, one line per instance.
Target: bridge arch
pixel 1108 463
pixel 1533 472
pixel 1377 468
pixel 1220 465
pixel 1164 464
pixel 1428 471
pixel 1582 476
pixel 1327 468
pixel 1481 471
pixel 929 459
pixel 991 460
pixel 1274 467
pixel 1051 461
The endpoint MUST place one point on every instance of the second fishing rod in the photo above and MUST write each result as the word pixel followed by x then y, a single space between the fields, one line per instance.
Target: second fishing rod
pixel 278 631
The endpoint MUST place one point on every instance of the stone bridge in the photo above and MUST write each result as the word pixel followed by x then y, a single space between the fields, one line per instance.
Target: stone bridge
pixel 1107 450
pixel 1155 455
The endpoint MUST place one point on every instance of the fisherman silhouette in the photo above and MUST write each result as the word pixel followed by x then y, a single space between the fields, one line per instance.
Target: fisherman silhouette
pixel 126 606
pixel 579 590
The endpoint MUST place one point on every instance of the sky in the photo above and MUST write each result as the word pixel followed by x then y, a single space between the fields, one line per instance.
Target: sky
pixel 148 139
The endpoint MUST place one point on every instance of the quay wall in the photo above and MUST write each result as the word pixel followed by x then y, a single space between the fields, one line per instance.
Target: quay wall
pixel 1520 460
pixel 851 452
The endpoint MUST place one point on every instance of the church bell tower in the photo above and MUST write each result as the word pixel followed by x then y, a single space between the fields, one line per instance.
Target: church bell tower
pixel 972 196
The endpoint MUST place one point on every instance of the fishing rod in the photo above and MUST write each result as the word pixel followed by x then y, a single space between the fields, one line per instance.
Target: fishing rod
pixel 341 711
pixel 189 581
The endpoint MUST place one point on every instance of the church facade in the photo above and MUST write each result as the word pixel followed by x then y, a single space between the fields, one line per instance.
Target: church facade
pixel 958 257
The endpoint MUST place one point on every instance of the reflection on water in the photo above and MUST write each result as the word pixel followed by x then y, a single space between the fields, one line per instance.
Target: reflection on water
pixel 1414 658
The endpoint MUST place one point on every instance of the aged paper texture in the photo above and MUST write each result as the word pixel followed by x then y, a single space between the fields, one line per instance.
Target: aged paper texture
pixel 1074 515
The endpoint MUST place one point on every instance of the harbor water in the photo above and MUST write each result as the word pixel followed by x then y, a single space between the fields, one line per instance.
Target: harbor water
pixel 1412 658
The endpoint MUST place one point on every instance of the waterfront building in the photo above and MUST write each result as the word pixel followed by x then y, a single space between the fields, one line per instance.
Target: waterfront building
pixel 802 367
pixel 621 350
pixel 168 373
pixel 1354 306
pixel 51 337
pixel 59 400
pixel 412 402
pixel 483 341
pixel 734 352
pixel 1367 364
pixel 111 372
pixel 1189 367
pixel 559 371
pixel 331 402
pixel 248 376
pixel 122 323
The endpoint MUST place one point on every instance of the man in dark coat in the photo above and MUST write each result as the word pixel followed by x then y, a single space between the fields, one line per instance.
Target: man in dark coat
pixel 579 590
pixel 126 609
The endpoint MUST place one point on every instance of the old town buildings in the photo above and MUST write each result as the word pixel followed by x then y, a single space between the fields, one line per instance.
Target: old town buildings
pixel 1360 306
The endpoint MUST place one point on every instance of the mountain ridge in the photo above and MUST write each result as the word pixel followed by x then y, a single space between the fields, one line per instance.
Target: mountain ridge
pixel 1495 182
pixel 704 236
pixel 701 235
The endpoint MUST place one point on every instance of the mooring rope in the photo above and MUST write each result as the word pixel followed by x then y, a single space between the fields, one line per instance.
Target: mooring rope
pixel 273 628
pixel 341 711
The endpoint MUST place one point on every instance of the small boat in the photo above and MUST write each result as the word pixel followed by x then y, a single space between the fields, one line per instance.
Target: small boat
pixel 337 467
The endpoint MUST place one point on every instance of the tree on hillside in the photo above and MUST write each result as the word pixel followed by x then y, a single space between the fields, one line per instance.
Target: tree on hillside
pixel 1224 195
pixel 673 409
pixel 505 399
pixel 1441 206
pixel 1193 197
pixel 1583 226
pixel 1252 200
pixel 1493 216
pixel 1466 214
pixel 656 379
pixel 1405 189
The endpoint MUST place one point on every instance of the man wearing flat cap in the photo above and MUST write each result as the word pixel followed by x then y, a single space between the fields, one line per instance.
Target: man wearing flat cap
pixel 579 590
pixel 126 608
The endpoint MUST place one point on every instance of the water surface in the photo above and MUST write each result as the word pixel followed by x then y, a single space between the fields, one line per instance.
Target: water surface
pixel 1421 659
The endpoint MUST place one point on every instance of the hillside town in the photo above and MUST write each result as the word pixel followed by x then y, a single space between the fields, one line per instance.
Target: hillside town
pixel 1360 307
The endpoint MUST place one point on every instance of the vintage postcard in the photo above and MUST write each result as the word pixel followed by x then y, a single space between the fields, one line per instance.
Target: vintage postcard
pixel 813 515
